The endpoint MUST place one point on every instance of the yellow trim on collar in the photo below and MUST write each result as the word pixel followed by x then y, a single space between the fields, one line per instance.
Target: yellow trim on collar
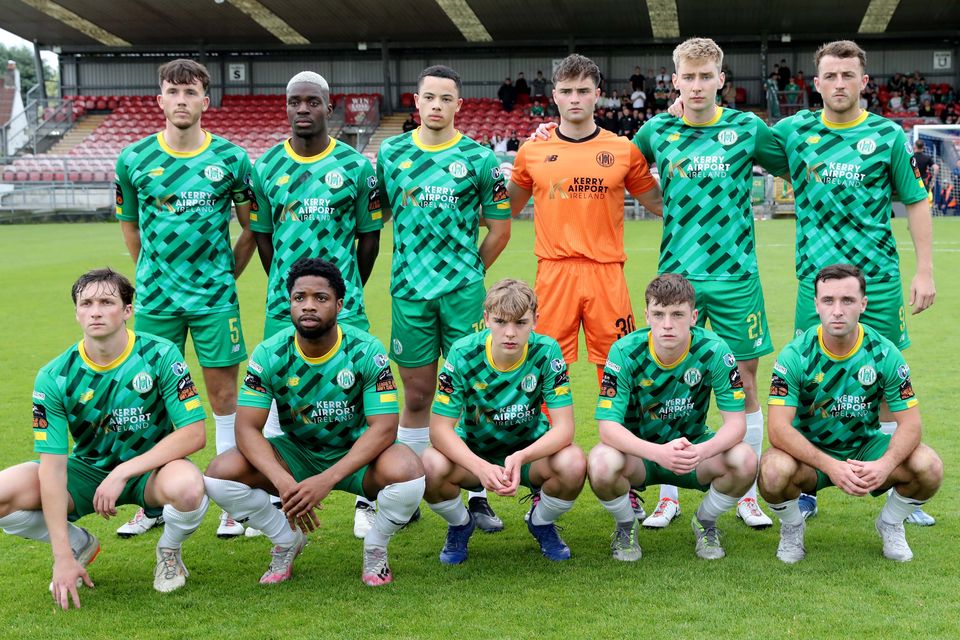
pixel 127 350
pixel 843 125
pixel 185 154
pixel 516 365
pixel 653 353
pixel 714 120
pixel 308 159
pixel 833 356
pixel 325 357
pixel 443 146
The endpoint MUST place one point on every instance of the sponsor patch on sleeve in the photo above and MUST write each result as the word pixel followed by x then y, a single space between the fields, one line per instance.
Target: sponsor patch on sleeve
pixel 253 382
pixel 500 192
pixel 40 417
pixel 608 386
pixel 190 405
pixel 186 389
pixel 445 383
pixel 906 389
pixel 385 381
pixel 373 200
pixel 778 387
pixel 119 194
pixel 735 381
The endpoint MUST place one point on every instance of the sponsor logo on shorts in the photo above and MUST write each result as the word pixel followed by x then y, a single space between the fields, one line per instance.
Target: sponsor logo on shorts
pixel 778 387
pixel 334 179
pixel 906 389
pixel 213 173
pixel 397 346
pixel 606 159
pixel 692 377
pixel 235 348
pixel 444 383
pixel 385 381
pixel 142 382
pixel 345 379
pixel 903 371
pixel 727 137
pixel 39 416
pixel 186 388
pixel 254 383
pixel 867 375
pixel 529 382
pixel 253 365
pixel 457 169
pixel 608 386
pixel 380 360
pixel 866 146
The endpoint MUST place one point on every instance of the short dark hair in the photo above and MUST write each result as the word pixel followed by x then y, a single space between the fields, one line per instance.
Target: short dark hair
pixel 841 49
pixel 669 289
pixel 440 71
pixel 183 71
pixel 104 276
pixel 840 272
pixel 317 267
pixel 576 66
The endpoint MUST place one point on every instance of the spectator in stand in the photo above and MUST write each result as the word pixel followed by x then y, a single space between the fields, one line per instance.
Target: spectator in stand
pixel 609 121
pixel 536 109
pixel 792 90
pixel 773 98
pixel 895 103
pixel 663 76
pixel 728 95
pixel 485 141
pixel 521 85
pixel 638 99
pixel 499 143
pixel 912 104
pixel 650 82
pixel 628 124
pixel 507 94
pixel 539 85
pixel 615 102
pixel 926 110
pixel 648 114
pixel 636 80
pixel 513 143
pixel 784 78
pixel 874 105
pixel 409 124
pixel 896 83
pixel 660 96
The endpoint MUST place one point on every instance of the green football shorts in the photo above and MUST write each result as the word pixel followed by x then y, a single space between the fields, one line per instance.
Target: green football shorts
pixel 217 337
pixel 655 474
pixel 872 449
pixel 885 311
pixel 303 463
pixel 424 329
pixel 83 479
pixel 736 313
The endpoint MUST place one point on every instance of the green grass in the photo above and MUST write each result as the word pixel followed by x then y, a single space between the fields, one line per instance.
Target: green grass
pixel 506 589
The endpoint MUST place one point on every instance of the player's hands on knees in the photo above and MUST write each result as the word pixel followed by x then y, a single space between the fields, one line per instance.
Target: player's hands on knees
pixel 845 478
pixel 678 456
pixel 106 496
pixel 300 501
pixel 922 292
pixel 676 109
pixel 873 472
pixel 494 478
pixel 543 131
pixel 66 573
pixel 511 466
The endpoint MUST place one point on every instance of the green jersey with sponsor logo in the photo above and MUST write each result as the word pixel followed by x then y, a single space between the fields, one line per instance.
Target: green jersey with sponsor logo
pixel 323 402
pixel 838 397
pixel 844 176
pixel 314 207
pixel 499 410
pixel 706 173
pixel 437 195
pixel 181 202
pixel 115 412
pixel 659 403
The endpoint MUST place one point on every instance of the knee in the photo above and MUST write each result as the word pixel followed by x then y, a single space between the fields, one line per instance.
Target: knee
pixel 570 464
pixel 742 462
pixel 436 466
pixel 604 465
pixel 776 469
pixel 401 464
pixel 220 467
pixel 182 485
pixel 927 467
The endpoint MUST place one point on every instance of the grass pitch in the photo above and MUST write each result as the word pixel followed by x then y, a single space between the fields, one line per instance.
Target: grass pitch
pixel 506 589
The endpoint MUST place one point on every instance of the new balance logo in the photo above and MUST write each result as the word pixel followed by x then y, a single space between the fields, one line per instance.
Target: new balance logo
pixel 551 159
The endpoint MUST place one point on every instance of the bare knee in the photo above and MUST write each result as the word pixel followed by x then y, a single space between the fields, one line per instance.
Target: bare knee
pixel 180 484
pixel 398 464
pixel 226 465
pixel 742 463
pixel 927 468
pixel 570 466
pixel 777 468
pixel 604 466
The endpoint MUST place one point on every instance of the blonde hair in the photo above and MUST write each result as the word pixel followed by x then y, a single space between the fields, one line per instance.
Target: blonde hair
pixel 698 49
pixel 510 299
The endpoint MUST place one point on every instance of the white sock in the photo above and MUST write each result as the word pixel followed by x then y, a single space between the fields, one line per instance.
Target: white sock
pixel 452 511
pixel 620 509
pixel 252 506
pixel 897 508
pixel 361 500
pixel 549 509
pixel 714 505
pixel 179 525
pixel 669 491
pixel 32 526
pixel 888 427
pixel 477 494
pixel 788 512
pixel 225 436
pixel 754 438
pixel 396 504
pixel 417 438
pixel 271 428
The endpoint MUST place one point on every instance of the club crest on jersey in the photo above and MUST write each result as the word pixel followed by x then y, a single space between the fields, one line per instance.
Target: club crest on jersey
pixel 345 379
pixel 606 159
pixel 692 377
pixel 529 382
pixel 397 346
pixel 457 169
pixel 334 179
pixel 867 375
pixel 727 137
pixel 866 146
pixel 142 382
pixel 213 173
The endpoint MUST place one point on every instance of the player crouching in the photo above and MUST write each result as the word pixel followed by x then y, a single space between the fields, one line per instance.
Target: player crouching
pixel 337 404
pixel 653 405
pixel 494 383
pixel 824 420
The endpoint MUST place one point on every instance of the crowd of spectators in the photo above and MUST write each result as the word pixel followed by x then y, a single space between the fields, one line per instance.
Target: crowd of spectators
pixel 906 96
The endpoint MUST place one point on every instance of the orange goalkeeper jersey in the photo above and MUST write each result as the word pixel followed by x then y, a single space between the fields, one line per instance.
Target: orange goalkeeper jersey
pixel 578 190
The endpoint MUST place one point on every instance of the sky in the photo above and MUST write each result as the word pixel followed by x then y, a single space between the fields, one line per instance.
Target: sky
pixel 12 40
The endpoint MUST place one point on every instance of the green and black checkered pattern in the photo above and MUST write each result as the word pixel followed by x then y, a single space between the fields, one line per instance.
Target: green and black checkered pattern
pixel 499 411
pixel 706 173
pixel 182 205
pixel 437 198
pixel 838 399
pixel 314 209
pixel 659 404
pixel 843 182
pixel 116 414
pixel 323 405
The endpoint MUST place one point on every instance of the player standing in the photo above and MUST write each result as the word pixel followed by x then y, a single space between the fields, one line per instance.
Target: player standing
pixel 652 416
pixel 315 196
pixel 174 194
pixel 825 398
pixel 338 413
pixel 706 163
pixel 845 164
pixel 487 428
pixel 438 185
pixel 128 403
